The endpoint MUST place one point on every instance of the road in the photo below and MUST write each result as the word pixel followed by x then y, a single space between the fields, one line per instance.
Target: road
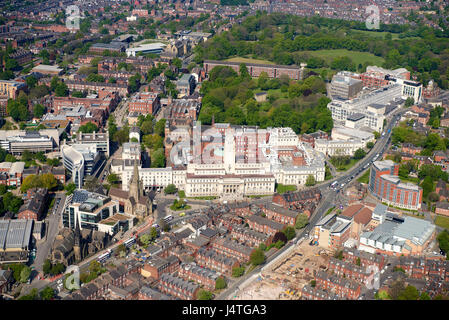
pixel 328 199
pixel 53 221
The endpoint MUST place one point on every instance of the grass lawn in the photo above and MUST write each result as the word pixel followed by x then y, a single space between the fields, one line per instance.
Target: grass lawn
pixel 280 188
pixel 365 177
pixel 346 167
pixel 249 60
pixel 356 56
pixel 442 222
pixel 376 34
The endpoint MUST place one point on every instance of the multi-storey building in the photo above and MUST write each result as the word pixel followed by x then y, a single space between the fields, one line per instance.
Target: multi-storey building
pixel 35 207
pixel 312 293
pixel 231 162
pixel 348 270
pixel 332 231
pixel 215 261
pixel 17 141
pixel 81 160
pixel 251 237
pixel 345 87
pixel 11 173
pixel 254 69
pixel 10 88
pixel 365 259
pixel 99 139
pixel 232 249
pixel 178 287
pixel 385 184
pixel 145 103
pixel 338 147
pixel 396 235
pixel 122 89
pixel 185 85
pixel 93 211
pixel 264 225
pixel 342 287
pixel 204 276
pixel 156 266
pixel 279 214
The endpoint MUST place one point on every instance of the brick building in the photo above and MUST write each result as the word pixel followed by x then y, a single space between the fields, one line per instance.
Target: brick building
pixel 385 184
pixel 232 249
pixel 254 69
pixel 145 103
pixel 264 225
pixel 204 276
pixel 97 86
pixel 178 287
pixel 279 214
pixel 157 266
pixel 342 287
pixel 294 199
pixel 215 261
pixel 34 208
pixel 366 259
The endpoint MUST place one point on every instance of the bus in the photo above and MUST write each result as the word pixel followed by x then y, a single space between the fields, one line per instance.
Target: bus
pixel 128 243
pixel 334 184
pixel 105 256
pixel 168 218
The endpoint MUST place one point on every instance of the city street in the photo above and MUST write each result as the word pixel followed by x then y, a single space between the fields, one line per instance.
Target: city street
pixel 329 197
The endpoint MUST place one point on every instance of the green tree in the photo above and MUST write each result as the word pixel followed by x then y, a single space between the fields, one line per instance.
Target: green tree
pixel 69 188
pixel 31 81
pixel 113 179
pixel 204 295
pixel 159 127
pixel 25 274
pixel 220 283
pixel 47 293
pixel 145 239
pixel 238 272
pixel 153 233
pixel 301 221
pixel 170 189
pixel 409 102
pixel 359 154
pixel 370 145
pixel 61 90
pixel 310 181
pixel 257 257
pixel 289 232
pixel 88 128
pixel 158 159
pixel 409 293
pixel 46 267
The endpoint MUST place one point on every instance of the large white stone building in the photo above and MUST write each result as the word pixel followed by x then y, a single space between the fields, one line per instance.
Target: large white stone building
pixel 232 162
pixel 370 109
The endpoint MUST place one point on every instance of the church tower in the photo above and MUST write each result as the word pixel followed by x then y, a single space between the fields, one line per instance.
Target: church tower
pixel 77 244
pixel 135 187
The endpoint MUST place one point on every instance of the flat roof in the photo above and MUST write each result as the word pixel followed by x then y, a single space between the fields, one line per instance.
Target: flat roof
pixel 15 234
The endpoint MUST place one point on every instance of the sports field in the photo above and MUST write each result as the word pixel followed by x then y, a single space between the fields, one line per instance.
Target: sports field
pixel 249 60
pixel 356 56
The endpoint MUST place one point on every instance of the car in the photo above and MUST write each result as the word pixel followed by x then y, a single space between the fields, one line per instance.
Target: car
pixel 342 185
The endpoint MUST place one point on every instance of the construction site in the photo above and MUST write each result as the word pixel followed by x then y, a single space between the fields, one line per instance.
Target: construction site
pixel 284 278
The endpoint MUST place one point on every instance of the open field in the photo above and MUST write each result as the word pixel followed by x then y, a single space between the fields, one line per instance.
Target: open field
pixel 285 279
pixel 442 222
pixel 356 56
pixel 248 60
pixel 394 36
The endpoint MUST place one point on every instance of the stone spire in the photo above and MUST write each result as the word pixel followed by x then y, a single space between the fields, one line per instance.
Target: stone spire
pixel 134 185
